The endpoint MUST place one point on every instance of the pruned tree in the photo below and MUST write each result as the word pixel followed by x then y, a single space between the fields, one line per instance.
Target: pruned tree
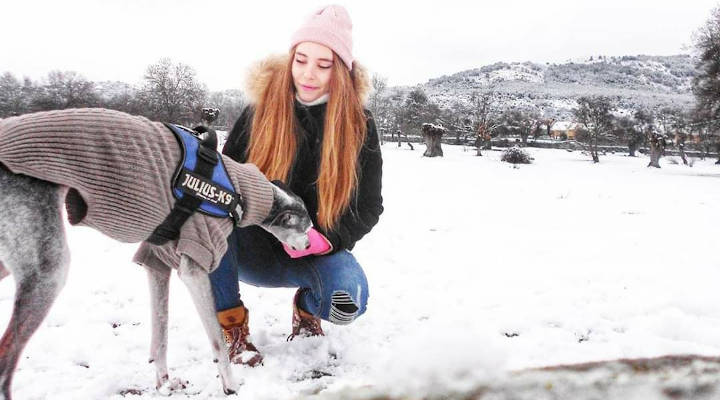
pixel 172 93
pixel 432 134
pixel 595 115
pixel 655 139
pixel 657 143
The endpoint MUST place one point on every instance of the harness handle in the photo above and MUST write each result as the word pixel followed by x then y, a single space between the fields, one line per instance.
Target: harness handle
pixel 208 158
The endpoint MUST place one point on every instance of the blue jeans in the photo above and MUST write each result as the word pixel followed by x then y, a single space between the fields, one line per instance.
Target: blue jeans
pixel 333 287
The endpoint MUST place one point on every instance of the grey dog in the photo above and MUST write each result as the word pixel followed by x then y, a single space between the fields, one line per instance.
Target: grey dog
pixel 34 250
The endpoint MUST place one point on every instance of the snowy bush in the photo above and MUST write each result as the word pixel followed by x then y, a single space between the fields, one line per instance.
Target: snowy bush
pixel 516 155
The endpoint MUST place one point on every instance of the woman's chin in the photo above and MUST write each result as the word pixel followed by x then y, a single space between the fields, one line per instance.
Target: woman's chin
pixel 309 97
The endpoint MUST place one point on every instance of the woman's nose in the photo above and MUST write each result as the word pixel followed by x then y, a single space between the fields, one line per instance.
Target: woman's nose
pixel 308 73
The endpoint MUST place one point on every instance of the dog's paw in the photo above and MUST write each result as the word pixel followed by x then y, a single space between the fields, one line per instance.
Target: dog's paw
pixel 169 386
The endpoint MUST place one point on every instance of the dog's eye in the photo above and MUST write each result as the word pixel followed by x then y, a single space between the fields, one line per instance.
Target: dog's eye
pixel 289 220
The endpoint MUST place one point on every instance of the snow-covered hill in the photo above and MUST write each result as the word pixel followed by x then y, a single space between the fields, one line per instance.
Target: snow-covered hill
pixel 552 89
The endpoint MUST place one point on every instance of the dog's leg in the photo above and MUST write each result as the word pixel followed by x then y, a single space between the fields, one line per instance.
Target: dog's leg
pixel 159 280
pixel 33 248
pixel 198 283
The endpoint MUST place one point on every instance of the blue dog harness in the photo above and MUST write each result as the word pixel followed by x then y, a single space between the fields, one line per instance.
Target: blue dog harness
pixel 200 183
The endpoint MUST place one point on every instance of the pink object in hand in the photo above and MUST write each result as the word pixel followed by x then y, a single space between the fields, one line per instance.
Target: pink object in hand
pixel 318 245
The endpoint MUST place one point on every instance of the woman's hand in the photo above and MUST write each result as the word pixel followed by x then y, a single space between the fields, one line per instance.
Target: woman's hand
pixel 319 245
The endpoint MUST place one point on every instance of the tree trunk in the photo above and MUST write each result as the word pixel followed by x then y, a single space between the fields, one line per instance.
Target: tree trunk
pixel 594 151
pixel 433 144
pixel 488 144
pixel 654 156
pixel 681 147
pixel 432 135
pixel 657 146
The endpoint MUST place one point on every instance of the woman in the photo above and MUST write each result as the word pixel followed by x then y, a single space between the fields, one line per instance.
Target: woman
pixel 307 127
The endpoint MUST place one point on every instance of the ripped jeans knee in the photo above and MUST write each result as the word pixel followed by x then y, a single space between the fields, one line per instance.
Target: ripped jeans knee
pixel 340 291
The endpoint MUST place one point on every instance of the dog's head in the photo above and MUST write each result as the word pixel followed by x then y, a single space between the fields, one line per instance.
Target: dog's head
pixel 288 219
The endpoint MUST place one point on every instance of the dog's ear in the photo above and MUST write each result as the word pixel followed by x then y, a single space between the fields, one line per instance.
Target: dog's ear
pixel 281 185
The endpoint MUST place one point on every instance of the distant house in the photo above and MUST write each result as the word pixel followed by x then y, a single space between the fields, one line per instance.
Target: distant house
pixel 564 129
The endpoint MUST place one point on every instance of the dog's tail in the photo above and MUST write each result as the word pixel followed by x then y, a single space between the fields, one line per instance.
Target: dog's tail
pixel 3 271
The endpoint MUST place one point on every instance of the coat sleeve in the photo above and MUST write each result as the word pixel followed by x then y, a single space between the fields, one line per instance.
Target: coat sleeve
pixel 367 205
pixel 237 140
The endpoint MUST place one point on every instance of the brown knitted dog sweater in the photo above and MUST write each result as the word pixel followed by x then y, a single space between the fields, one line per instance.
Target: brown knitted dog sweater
pixel 119 169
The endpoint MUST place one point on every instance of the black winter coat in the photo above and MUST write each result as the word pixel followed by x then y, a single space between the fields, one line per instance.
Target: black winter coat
pixel 365 207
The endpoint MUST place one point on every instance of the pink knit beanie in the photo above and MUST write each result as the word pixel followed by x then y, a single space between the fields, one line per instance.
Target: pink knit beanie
pixel 330 26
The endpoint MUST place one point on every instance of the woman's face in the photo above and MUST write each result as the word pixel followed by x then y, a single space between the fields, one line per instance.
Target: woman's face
pixel 311 70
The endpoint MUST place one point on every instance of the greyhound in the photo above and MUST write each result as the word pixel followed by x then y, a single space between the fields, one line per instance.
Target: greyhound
pixel 34 250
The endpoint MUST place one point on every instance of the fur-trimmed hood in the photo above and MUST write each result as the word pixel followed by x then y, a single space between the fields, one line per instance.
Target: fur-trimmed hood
pixel 261 72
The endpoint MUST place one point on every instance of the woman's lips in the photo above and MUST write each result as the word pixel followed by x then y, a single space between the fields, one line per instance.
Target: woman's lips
pixel 308 88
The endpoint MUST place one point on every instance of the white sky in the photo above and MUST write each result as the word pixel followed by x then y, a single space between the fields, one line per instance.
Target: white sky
pixel 409 42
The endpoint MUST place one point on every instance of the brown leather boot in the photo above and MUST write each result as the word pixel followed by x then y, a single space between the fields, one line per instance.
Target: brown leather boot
pixel 234 322
pixel 304 323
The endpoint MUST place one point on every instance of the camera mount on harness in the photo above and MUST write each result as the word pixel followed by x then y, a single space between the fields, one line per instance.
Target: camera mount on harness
pixel 200 184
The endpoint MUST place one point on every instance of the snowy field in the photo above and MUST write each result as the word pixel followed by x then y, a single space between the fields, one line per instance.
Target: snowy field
pixel 476 269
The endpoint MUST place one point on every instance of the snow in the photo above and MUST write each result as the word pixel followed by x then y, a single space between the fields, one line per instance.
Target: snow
pixel 476 268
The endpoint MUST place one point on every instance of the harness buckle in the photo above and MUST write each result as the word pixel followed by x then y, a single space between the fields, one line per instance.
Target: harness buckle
pixel 208 155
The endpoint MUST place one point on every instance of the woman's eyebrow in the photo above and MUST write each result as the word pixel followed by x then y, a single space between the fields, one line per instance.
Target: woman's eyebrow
pixel 319 59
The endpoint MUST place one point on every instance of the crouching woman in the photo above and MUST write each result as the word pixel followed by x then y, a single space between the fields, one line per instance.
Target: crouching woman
pixel 306 126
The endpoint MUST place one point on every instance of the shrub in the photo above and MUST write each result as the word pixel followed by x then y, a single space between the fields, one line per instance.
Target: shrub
pixel 516 155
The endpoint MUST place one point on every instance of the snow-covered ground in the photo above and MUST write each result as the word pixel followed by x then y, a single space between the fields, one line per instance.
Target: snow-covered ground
pixel 476 268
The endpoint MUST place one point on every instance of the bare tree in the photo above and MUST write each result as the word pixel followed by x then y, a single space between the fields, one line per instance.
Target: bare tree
pixel 379 84
pixel 64 89
pixel 12 99
pixel 594 113
pixel 624 128
pixel 548 123
pixel 674 121
pixel 706 84
pixel 654 138
pixel 231 103
pixel 487 119
pixel 521 123
pixel 172 93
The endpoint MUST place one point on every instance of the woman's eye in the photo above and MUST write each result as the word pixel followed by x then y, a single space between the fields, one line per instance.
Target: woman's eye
pixel 325 67
pixel 299 61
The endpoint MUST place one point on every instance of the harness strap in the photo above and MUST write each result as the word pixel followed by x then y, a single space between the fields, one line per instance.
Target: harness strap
pixel 207 159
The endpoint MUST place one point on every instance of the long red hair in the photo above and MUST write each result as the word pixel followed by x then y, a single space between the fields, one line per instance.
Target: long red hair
pixel 273 139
